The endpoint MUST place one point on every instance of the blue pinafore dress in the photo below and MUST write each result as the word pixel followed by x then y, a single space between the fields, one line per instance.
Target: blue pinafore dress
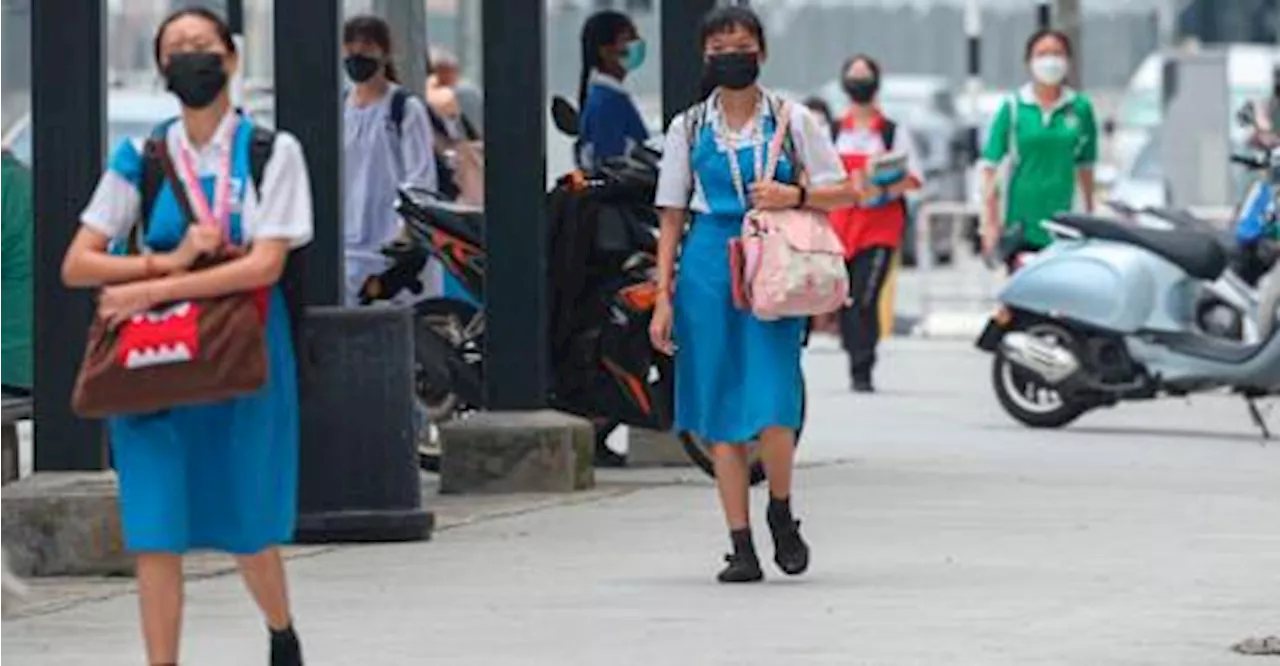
pixel 219 476
pixel 735 374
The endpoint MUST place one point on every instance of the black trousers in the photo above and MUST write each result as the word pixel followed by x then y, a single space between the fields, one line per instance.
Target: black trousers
pixel 860 321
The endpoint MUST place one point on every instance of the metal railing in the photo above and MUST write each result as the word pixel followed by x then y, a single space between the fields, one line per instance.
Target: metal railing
pixel 959 290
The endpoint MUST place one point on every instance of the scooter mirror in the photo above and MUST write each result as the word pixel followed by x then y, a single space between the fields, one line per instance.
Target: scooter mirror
pixel 564 116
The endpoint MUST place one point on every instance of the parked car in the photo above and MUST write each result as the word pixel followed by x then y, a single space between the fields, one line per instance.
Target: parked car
pixel 132 114
pixel 1249 68
pixel 1142 184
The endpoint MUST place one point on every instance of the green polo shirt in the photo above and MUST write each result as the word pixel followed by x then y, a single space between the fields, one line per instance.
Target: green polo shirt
pixel 15 273
pixel 1047 150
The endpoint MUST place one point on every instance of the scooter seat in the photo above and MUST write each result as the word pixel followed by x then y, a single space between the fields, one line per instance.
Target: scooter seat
pixel 1196 252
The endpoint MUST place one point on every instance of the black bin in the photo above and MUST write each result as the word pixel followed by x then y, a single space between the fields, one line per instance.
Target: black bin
pixel 358 472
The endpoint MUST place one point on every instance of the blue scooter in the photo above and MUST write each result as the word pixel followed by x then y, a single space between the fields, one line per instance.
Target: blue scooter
pixel 1109 313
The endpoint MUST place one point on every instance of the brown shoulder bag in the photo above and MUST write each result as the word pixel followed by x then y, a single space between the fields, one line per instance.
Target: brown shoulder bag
pixel 183 353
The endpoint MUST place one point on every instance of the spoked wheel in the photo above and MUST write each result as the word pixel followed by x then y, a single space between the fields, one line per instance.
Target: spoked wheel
pixel 460 326
pixel 699 450
pixel 1025 396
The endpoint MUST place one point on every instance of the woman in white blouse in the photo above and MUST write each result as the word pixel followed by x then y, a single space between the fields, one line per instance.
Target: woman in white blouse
pixel 223 475
pixel 737 378
pixel 387 143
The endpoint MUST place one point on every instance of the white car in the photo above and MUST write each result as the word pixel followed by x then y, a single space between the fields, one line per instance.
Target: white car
pixel 132 114
pixel 1249 68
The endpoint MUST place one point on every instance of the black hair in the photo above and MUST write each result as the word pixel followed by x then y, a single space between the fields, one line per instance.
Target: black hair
pixel 1045 33
pixel 601 29
pixel 219 25
pixel 372 30
pixel 724 19
pixel 862 58
pixel 820 107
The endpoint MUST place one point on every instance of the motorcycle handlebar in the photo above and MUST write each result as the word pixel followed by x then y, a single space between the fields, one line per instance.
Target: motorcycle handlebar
pixel 1249 161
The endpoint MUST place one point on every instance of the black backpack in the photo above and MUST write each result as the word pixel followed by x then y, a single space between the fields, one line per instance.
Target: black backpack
pixel 261 145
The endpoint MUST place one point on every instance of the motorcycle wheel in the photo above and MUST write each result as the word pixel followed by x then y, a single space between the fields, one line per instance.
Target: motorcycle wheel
pixel 449 319
pixel 1027 399
pixel 699 450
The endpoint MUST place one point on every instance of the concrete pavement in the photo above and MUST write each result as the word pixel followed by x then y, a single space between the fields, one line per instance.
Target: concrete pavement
pixel 943 534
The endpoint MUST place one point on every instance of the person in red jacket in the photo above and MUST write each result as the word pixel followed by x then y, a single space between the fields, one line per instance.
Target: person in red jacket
pixel 882 162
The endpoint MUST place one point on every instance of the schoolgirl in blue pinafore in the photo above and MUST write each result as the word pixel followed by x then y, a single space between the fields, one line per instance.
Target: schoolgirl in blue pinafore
pixel 735 374
pixel 219 476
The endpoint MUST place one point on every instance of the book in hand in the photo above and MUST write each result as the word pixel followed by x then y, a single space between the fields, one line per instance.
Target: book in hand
pixel 887 169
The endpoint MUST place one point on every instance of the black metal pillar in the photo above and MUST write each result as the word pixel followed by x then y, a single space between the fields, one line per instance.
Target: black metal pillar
pixel 517 363
pixel 235 16
pixel 681 54
pixel 308 104
pixel 67 108
pixel 1044 15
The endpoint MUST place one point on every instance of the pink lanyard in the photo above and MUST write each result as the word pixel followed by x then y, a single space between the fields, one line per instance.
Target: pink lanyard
pixel 220 215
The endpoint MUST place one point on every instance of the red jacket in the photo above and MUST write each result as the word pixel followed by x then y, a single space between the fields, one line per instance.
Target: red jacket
pixel 863 228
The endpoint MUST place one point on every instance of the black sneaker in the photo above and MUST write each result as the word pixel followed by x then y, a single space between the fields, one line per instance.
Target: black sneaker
pixel 743 568
pixel 607 457
pixel 790 552
pixel 863 385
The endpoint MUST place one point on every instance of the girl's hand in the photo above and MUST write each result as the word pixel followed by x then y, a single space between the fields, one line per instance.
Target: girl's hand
pixel 870 194
pixel 772 195
pixel 201 239
pixel 660 326
pixel 118 303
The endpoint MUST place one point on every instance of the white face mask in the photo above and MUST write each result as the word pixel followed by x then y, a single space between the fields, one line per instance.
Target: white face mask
pixel 1049 69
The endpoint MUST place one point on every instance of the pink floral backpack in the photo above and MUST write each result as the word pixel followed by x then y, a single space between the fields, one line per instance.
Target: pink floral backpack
pixel 792 262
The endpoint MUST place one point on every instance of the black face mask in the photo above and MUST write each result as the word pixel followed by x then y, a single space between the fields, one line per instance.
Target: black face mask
pixel 361 68
pixel 861 91
pixel 734 71
pixel 196 78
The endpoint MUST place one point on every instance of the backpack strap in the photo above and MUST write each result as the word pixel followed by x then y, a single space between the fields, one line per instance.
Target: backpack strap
pixel 694 119
pixel 155 152
pixel 399 99
pixel 888 132
pixel 261 145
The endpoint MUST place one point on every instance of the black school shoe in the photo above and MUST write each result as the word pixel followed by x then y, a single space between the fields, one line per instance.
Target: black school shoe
pixel 285 648
pixel 744 565
pixel 790 552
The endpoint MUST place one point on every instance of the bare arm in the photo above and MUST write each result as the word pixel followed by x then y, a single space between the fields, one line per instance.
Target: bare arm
pixel 260 267
pixel 88 264
pixel 1084 176
pixel 671 230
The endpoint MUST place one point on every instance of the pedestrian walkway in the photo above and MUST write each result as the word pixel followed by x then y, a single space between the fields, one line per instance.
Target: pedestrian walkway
pixel 942 534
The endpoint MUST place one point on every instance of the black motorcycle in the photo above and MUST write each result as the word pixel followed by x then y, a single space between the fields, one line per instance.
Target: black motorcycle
pixel 602 293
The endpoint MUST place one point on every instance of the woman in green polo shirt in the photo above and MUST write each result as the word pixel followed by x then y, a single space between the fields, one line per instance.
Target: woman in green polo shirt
pixel 1048 133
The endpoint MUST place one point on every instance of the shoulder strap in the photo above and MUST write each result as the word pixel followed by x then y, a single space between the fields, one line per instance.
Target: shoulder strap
pixel 1013 129
pixel 777 145
pixel 261 144
pixel 694 118
pixel 399 98
pixel 888 132
pixel 154 152
pixel 781 110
